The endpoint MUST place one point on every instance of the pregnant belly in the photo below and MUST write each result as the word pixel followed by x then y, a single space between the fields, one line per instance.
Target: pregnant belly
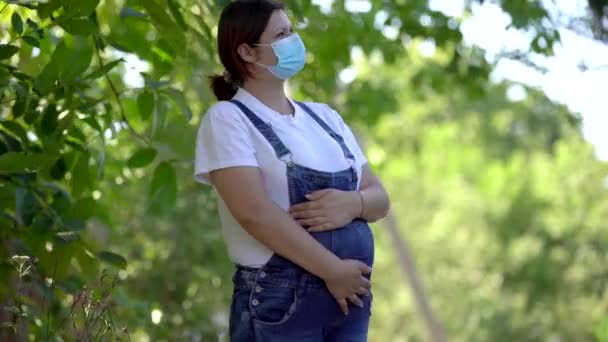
pixel 354 241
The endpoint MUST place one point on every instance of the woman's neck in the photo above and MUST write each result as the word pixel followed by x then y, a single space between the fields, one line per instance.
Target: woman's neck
pixel 272 94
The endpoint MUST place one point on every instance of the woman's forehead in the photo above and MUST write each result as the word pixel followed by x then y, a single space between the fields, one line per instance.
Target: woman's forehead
pixel 278 21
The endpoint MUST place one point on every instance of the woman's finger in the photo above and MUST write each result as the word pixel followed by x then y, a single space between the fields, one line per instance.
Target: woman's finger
pixel 343 305
pixel 312 205
pixel 365 283
pixel 313 196
pixel 317 221
pixel 307 214
pixel 355 300
pixel 363 292
pixel 321 228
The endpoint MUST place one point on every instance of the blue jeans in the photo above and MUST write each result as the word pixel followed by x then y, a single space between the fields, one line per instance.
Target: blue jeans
pixel 281 302
pixel 287 305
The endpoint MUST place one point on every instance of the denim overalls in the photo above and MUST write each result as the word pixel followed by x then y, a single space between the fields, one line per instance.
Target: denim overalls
pixel 281 302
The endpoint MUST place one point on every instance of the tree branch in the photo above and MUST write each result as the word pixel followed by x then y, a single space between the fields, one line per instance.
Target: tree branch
pixel 117 96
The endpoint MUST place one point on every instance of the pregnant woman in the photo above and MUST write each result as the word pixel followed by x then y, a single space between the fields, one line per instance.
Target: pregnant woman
pixel 295 192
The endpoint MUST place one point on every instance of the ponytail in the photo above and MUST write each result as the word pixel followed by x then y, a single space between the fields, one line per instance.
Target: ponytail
pixel 222 89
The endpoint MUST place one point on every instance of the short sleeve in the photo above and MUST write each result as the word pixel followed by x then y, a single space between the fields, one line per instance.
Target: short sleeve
pixel 349 138
pixel 223 141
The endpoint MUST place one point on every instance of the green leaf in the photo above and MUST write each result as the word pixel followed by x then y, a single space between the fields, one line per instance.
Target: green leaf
pixel 78 26
pixel 8 143
pixel 179 99
pixel 16 129
pixel 32 24
pixel 22 2
pixel 80 8
pixel 112 258
pixel 76 133
pixel 7 51
pixel 50 73
pixel 163 189
pixel 142 158
pixel 49 120
pixel 163 23
pixel 72 284
pixel 151 83
pixel 43 224
pixel 31 41
pixel 174 9
pixel 159 117
pixel 17 23
pixel 67 237
pixel 88 263
pixel 24 162
pixel 80 56
pixel 46 9
pixel 83 209
pixel 23 99
pixel 4 77
pixel 127 12
pixel 81 176
pixel 61 199
pixel 145 104
pixel 26 205
pixel 91 121
pixel 219 4
pixel 74 224
pixel 59 169
pixel 104 69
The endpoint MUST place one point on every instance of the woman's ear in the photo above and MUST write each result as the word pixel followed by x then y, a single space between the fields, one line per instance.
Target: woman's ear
pixel 247 53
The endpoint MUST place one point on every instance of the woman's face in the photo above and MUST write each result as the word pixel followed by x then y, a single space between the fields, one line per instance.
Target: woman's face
pixel 278 27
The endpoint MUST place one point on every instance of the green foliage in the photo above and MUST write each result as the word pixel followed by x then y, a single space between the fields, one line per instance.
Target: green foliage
pixel 506 201
pixel 7 50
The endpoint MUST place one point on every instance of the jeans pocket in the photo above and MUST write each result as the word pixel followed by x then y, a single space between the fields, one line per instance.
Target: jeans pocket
pixel 272 305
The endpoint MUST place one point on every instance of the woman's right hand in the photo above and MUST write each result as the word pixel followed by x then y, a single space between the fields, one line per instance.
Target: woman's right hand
pixel 347 283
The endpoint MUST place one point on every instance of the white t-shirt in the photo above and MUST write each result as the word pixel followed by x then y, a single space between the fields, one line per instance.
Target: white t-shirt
pixel 227 138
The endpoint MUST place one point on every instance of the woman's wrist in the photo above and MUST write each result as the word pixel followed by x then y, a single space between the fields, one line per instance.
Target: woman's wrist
pixel 360 206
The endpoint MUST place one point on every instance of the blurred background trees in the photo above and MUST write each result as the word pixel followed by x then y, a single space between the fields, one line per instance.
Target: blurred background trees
pixel 105 233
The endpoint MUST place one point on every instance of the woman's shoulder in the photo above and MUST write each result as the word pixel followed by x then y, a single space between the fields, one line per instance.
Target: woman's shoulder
pixel 326 113
pixel 222 108
pixel 222 111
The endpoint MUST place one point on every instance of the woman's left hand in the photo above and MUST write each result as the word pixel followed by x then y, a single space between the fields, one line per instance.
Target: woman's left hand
pixel 327 209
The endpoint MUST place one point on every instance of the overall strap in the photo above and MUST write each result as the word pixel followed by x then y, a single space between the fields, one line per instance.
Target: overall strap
pixel 337 137
pixel 265 129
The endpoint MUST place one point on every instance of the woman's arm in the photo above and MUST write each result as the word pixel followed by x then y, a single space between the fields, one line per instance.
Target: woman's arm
pixel 242 191
pixel 329 209
pixel 373 197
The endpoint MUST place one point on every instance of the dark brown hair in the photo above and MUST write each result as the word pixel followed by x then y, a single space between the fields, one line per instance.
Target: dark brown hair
pixel 242 21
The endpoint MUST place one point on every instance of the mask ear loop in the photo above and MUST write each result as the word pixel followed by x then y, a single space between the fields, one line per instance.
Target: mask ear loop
pixel 264 65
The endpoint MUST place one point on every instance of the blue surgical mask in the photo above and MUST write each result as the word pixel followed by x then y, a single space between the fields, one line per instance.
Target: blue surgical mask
pixel 291 53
